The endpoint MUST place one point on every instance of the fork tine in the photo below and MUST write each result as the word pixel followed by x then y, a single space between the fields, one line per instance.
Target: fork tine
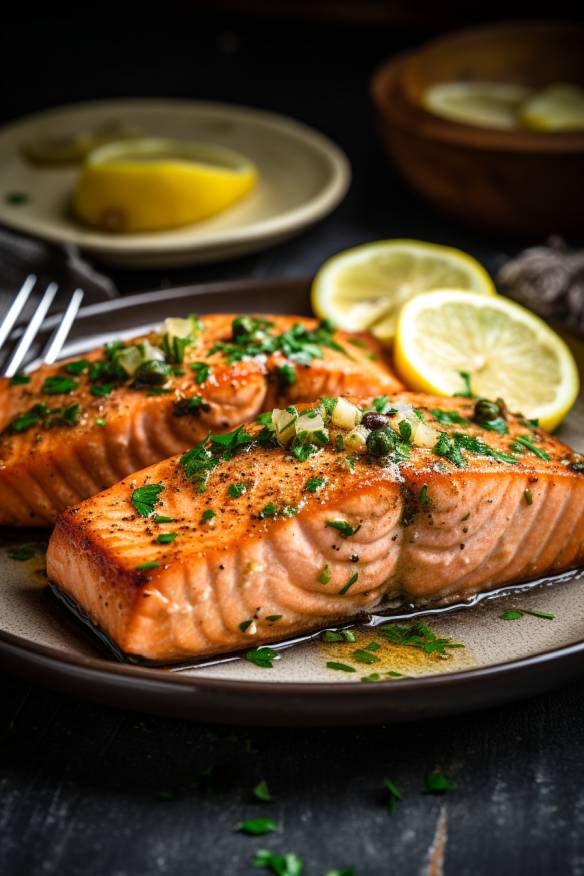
pixel 31 330
pixel 59 336
pixel 15 308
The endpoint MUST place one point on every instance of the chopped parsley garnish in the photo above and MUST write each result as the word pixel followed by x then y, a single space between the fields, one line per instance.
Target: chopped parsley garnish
pixel 526 441
pixel 201 371
pixel 245 625
pixel 102 390
pixel 145 498
pixel 405 430
pixel 343 527
pixel 467 391
pixel 166 537
pixel 329 404
pixel 206 516
pixel 481 448
pixel 341 667
pixel 314 484
pixel 77 367
pixel 352 580
pixel 382 405
pixel 258 826
pixel 16 199
pixel 236 490
pixel 161 518
pixel 393 795
pixel 262 657
pixel 254 337
pixel 272 618
pixel 19 379
pixel 174 348
pixel 48 418
pixel 516 613
pixel 373 676
pixel 528 496
pixel 338 636
pixel 151 565
pixel 286 375
pixel 423 495
pixel 100 421
pixel 268 510
pixel 448 417
pixel 324 576
pixel 362 655
pixel 57 385
pixel 301 448
pixel 200 461
pixel 435 782
pixel 26 551
pixel 449 449
pixel 262 792
pixel 282 865
pixel 357 342
pixel 417 635
pixel 350 463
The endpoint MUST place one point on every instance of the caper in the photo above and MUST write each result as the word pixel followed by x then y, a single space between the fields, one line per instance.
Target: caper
pixel 577 463
pixel 381 442
pixel 373 420
pixel 486 411
pixel 153 373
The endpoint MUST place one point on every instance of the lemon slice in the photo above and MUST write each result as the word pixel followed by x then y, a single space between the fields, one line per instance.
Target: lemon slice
pixel 486 104
pixel 557 108
pixel 507 351
pixel 362 289
pixel 154 184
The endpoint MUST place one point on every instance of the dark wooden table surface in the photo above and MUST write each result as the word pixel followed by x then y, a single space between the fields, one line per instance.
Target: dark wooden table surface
pixel 87 791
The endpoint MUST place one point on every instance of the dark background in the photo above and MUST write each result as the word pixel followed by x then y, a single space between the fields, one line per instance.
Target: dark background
pixel 87 790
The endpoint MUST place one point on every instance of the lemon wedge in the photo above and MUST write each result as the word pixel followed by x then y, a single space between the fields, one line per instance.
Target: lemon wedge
pixel 155 184
pixel 557 108
pixel 362 289
pixel 486 104
pixel 507 351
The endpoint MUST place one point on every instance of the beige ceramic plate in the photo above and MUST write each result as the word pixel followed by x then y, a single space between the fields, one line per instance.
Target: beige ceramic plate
pixel 501 660
pixel 303 176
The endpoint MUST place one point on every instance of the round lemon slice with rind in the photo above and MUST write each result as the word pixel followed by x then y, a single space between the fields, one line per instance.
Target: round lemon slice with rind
pixel 484 104
pixel 156 184
pixel 362 289
pixel 507 351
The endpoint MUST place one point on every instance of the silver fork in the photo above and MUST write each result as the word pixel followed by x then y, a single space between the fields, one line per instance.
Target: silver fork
pixel 59 335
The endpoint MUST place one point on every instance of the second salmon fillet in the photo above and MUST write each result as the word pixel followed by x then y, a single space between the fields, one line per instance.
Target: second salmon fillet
pixel 315 516
pixel 67 431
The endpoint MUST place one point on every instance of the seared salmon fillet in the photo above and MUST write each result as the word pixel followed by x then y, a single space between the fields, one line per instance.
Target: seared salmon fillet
pixel 68 431
pixel 316 515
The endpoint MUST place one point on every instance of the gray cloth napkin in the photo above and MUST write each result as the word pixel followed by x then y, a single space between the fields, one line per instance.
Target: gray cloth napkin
pixel 20 256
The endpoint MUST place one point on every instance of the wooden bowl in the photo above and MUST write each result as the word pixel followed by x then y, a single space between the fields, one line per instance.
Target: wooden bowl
pixel 513 181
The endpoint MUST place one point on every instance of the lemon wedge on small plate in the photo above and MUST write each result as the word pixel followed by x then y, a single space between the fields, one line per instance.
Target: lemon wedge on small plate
pixel 557 108
pixel 362 289
pixel 507 351
pixel 485 104
pixel 153 184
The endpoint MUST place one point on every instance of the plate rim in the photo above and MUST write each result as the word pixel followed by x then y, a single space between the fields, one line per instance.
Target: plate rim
pixel 135 246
